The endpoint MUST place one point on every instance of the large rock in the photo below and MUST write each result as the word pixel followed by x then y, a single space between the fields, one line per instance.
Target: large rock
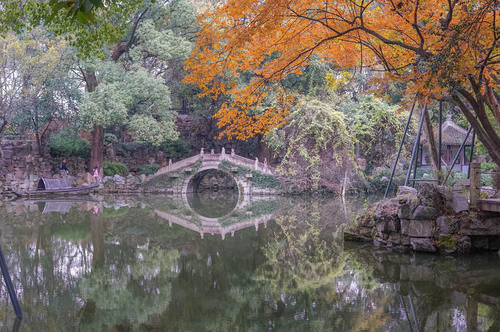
pixel 447 225
pixel 404 211
pixel 420 228
pixel 454 202
pixel 423 244
pixel 405 224
pixel 117 179
pixel 107 179
pixel 424 212
pixel 464 244
pixel 482 226
pixel 386 216
pixel 459 203
pixel 405 190
pixel 430 195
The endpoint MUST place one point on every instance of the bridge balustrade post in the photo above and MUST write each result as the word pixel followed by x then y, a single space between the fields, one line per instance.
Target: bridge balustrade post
pixel 212 151
pixel 223 151
pixel 475 186
pixel 202 151
pixel 170 162
pixel 232 151
pixel 256 163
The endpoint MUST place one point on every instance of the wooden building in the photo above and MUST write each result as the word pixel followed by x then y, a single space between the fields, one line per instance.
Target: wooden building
pixel 452 136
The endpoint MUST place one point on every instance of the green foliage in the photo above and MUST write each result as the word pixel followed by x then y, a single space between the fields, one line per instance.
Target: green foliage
pixel 315 144
pixel 86 24
pixel 488 167
pixel 446 241
pixel 128 148
pixel 258 179
pixel 175 149
pixel 38 64
pixel 135 99
pixel 149 169
pixel 265 180
pixel 113 213
pixel 68 144
pixel 110 138
pixel 378 181
pixel 376 128
pixel 111 168
pixel 455 177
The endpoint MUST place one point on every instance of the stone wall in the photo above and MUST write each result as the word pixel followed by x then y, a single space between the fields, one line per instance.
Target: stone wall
pixel 434 219
pixel 21 167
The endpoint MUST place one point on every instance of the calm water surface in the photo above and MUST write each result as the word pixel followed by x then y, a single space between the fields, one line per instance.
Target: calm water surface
pixel 211 262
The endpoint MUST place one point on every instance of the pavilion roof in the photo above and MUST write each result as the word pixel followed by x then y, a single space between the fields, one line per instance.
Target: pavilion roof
pixel 451 133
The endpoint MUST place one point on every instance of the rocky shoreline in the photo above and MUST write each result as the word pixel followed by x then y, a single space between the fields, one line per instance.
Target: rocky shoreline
pixel 433 219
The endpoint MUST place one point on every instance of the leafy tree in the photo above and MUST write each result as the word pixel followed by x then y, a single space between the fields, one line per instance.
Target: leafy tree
pixel 376 128
pixel 87 24
pixel 132 75
pixel 68 144
pixel 54 96
pixel 315 144
pixel 135 99
pixel 26 65
pixel 441 49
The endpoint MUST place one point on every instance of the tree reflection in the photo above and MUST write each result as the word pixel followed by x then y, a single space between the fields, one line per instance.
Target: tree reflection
pixel 128 294
pixel 126 268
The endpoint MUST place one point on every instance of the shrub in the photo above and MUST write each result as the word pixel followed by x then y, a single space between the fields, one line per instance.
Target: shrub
pixel 110 138
pixel 111 168
pixel 128 148
pixel 149 169
pixel 488 167
pixel 377 183
pixel 66 144
pixel 175 149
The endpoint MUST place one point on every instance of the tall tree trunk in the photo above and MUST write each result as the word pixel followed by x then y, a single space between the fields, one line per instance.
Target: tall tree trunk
pixel 97 145
pixel 97 149
pixel 431 144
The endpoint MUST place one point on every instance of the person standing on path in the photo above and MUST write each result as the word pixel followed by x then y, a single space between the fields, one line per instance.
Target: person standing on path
pixel 96 174
pixel 63 168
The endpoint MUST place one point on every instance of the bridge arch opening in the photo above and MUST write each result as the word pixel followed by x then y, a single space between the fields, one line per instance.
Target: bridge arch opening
pixel 212 193
pixel 211 180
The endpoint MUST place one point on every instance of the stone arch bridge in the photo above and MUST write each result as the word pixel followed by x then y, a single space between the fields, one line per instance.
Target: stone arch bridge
pixel 250 176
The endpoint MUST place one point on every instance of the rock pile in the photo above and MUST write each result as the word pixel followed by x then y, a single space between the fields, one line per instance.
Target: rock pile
pixel 432 219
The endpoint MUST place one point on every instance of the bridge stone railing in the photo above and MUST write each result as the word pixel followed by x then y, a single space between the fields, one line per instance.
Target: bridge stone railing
pixel 178 165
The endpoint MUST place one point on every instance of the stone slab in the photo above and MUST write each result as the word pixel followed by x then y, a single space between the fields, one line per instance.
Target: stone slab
pixel 447 225
pixel 422 244
pixel 420 228
pixel 424 212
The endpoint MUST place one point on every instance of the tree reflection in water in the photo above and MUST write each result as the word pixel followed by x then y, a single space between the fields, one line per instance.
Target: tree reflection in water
pixel 115 264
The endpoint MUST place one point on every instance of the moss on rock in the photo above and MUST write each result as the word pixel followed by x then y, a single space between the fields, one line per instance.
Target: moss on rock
pixel 446 242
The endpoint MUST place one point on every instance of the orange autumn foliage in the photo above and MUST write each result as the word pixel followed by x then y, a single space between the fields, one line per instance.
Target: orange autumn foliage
pixel 441 49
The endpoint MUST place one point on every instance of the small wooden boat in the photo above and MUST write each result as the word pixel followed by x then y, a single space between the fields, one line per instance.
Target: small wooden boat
pixel 48 187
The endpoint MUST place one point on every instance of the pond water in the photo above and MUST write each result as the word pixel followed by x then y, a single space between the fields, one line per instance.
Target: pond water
pixel 211 262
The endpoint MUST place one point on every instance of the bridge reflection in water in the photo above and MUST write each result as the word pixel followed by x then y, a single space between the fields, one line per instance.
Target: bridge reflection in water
pixel 219 213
